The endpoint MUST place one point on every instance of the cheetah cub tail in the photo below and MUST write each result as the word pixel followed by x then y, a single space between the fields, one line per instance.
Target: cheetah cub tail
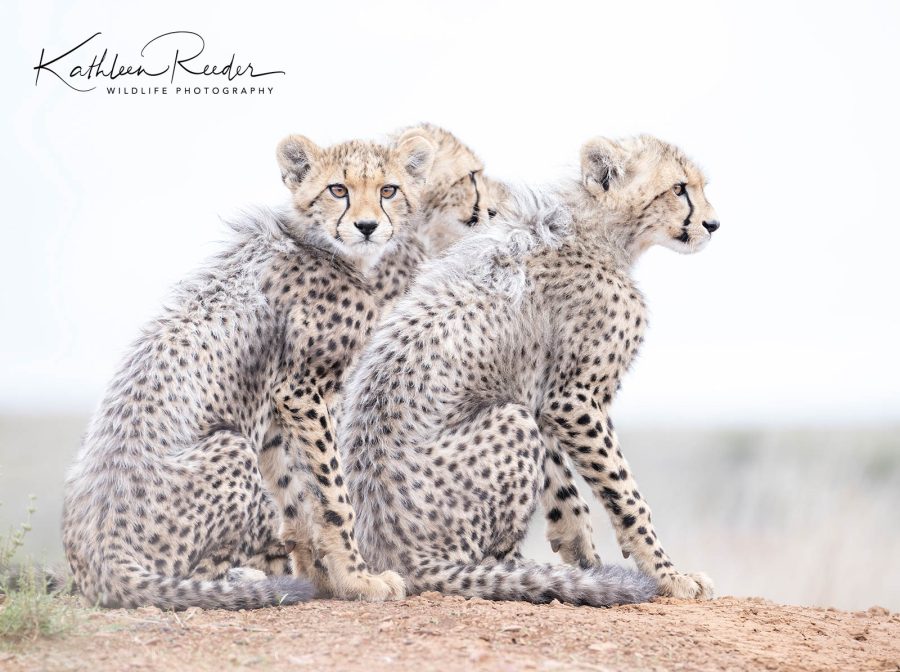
pixel 240 589
pixel 538 583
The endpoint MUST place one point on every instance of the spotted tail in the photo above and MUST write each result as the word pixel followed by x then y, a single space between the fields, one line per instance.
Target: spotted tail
pixel 534 582
pixel 138 587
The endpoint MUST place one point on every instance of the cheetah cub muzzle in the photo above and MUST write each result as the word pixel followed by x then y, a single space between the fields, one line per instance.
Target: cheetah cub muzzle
pixel 493 378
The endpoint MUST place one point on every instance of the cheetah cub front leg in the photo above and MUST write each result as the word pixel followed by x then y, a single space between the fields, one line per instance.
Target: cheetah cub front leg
pixel 586 432
pixel 306 421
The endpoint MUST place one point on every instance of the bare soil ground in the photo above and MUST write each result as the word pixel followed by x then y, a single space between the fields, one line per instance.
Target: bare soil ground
pixel 431 632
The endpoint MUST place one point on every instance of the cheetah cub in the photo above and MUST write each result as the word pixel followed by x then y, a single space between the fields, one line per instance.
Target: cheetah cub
pixel 182 492
pixel 459 197
pixel 498 368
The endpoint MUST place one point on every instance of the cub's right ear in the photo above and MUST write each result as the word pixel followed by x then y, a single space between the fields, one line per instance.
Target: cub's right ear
pixel 602 164
pixel 296 155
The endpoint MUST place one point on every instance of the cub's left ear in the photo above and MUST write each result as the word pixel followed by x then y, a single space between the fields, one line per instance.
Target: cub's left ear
pixel 416 154
pixel 602 164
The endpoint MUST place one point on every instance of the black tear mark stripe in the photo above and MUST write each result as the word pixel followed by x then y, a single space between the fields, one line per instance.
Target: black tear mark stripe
pixel 684 192
pixel 476 209
pixel 390 221
pixel 337 228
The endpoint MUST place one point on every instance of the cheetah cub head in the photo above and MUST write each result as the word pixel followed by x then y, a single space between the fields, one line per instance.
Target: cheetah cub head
pixel 656 189
pixel 458 196
pixel 355 196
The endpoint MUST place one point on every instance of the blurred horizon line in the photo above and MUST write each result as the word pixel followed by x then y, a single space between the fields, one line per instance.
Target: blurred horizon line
pixel 625 421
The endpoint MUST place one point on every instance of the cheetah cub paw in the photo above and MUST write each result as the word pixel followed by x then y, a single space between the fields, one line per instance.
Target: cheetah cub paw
pixel 696 586
pixel 371 587
pixel 578 552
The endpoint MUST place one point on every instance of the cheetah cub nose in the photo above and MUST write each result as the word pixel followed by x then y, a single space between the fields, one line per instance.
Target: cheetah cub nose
pixel 709 226
pixel 366 227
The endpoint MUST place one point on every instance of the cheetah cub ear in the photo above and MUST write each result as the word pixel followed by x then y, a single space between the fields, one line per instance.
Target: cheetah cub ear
pixel 603 164
pixel 416 154
pixel 296 156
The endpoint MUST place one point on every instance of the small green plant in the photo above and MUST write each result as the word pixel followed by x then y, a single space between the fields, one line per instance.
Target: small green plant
pixel 10 545
pixel 28 609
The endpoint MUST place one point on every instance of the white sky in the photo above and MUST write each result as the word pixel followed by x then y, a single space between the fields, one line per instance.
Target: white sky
pixel 790 315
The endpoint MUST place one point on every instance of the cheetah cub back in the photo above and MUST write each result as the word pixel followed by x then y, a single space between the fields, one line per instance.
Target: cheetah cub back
pixel 493 378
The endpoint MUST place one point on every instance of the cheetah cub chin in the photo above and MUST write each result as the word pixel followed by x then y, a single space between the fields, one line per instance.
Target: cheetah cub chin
pixel 213 453
pixel 495 374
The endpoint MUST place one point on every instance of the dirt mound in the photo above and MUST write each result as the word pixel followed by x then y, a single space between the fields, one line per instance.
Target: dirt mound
pixel 431 632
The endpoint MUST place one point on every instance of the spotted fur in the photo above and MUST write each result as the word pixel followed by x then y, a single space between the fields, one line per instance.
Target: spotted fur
pixel 496 373
pixel 212 454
